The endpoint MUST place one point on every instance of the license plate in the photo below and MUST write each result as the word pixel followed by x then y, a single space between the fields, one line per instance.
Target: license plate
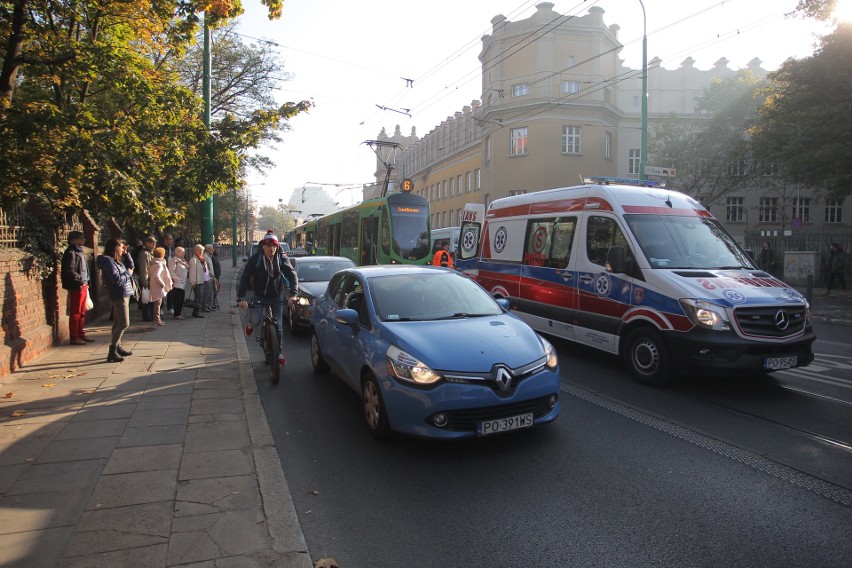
pixel 487 427
pixel 778 363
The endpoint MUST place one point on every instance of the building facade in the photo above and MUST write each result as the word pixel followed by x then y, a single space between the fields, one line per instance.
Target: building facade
pixel 558 106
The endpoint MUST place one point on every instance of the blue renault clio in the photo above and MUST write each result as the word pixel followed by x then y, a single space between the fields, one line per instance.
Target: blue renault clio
pixel 432 354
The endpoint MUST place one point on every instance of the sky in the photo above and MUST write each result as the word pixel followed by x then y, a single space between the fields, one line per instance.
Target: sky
pixel 350 58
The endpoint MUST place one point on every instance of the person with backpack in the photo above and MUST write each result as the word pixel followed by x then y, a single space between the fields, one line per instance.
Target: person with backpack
pixel 269 275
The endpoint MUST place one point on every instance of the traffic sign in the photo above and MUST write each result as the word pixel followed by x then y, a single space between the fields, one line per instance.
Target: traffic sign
pixel 658 171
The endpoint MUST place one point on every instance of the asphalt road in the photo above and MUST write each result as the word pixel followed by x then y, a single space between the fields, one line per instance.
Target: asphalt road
pixel 754 473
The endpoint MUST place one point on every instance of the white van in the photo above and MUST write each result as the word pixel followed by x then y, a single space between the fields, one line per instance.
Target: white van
pixel 644 273
pixel 448 234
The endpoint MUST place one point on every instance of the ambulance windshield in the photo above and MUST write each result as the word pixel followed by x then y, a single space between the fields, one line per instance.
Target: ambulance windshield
pixel 670 241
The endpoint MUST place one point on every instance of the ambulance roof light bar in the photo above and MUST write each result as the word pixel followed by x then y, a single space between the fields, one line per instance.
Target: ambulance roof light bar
pixel 602 180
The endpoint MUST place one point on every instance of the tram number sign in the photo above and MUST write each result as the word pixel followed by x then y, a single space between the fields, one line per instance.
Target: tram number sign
pixel 407 184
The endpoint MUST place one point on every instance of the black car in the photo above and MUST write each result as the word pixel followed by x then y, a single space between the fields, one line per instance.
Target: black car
pixel 314 273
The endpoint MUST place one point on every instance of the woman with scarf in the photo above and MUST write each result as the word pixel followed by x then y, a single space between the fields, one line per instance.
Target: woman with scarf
pixel 199 275
pixel 119 286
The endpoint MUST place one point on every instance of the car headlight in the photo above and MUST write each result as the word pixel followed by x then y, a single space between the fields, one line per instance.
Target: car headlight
pixel 304 301
pixel 552 360
pixel 406 368
pixel 706 315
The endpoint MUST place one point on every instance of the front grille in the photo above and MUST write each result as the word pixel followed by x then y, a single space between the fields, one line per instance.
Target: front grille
pixel 466 420
pixel 763 321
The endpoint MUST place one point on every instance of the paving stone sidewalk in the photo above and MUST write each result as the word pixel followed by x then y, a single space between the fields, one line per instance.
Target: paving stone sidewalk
pixel 165 459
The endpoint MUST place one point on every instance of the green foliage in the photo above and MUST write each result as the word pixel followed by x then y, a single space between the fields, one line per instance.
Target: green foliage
pixel 804 123
pixel 711 150
pixel 100 118
pixel 40 246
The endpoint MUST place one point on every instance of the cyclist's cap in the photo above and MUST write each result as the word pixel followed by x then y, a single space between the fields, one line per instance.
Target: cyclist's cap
pixel 270 237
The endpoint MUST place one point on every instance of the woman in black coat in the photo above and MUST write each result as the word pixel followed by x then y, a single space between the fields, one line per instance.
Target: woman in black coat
pixel 119 284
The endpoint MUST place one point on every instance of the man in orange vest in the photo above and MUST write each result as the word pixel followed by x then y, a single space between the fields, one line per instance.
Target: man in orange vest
pixel 442 256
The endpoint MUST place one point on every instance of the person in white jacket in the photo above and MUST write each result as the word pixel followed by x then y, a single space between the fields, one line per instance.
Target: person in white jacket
pixel 179 271
pixel 160 282
pixel 199 276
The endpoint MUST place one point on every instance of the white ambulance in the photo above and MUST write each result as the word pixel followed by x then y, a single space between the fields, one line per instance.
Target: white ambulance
pixel 646 273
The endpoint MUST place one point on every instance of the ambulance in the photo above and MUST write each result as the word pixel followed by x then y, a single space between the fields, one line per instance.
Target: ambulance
pixel 645 273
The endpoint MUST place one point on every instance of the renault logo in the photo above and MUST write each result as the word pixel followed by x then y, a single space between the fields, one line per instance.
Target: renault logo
pixel 782 320
pixel 503 378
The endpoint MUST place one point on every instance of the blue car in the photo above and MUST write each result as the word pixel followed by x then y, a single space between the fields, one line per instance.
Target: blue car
pixel 432 354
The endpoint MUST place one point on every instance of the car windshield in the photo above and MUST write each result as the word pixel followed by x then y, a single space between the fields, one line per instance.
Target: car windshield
pixel 670 241
pixel 320 270
pixel 425 296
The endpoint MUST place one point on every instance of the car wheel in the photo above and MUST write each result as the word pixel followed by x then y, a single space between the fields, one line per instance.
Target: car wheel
pixel 375 414
pixel 647 357
pixel 317 362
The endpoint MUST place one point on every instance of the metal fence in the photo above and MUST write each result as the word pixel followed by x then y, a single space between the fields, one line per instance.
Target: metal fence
pixel 818 242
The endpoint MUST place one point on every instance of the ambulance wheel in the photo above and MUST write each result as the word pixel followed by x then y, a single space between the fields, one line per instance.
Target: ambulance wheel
pixel 647 357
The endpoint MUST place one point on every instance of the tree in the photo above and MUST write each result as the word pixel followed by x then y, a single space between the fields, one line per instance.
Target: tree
pixel 93 115
pixel 804 123
pixel 711 151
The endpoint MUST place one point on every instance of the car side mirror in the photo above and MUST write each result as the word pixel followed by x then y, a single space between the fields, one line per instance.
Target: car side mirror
pixel 346 316
pixel 504 303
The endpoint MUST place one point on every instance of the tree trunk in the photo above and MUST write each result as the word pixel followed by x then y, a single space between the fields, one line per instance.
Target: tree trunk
pixel 11 59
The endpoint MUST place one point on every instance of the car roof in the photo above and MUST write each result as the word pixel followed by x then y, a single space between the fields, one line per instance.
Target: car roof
pixel 396 269
pixel 316 258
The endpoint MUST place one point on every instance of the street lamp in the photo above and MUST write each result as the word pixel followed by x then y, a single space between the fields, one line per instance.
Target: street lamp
pixel 643 150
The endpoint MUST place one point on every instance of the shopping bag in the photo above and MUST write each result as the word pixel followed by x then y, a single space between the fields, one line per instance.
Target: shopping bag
pixel 145 296
pixel 90 305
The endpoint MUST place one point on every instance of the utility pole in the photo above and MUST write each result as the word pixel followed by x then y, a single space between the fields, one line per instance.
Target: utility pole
pixel 207 204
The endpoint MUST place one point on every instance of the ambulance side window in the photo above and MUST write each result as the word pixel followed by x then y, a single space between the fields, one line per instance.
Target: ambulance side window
pixel 563 238
pixel 602 233
pixel 537 245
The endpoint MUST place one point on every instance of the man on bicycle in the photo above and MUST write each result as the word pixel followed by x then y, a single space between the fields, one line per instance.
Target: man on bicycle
pixel 270 275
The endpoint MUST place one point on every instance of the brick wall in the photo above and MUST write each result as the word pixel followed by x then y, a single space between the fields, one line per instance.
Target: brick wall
pixel 29 313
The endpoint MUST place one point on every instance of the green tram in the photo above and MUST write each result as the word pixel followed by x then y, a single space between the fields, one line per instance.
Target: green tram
pixel 386 230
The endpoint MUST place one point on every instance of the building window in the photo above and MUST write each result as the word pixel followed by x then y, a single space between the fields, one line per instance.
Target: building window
pixel 459 184
pixel 833 210
pixel 608 145
pixel 635 101
pixel 570 87
pixel 477 180
pixel 570 61
pixel 768 210
pixel 520 90
pixel 802 209
pixel 735 209
pixel 467 183
pixel 452 186
pixel 633 161
pixel 487 149
pixel 737 168
pixel 570 139
pixel 519 141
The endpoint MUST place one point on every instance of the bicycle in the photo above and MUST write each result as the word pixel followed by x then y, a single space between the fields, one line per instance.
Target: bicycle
pixel 269 339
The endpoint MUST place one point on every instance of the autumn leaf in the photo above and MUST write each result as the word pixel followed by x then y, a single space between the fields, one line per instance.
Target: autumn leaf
pixel 17 413
pixel 10 394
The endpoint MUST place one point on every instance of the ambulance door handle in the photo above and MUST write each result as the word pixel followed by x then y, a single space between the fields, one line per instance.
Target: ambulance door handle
pixel 567 275
pixel 586 278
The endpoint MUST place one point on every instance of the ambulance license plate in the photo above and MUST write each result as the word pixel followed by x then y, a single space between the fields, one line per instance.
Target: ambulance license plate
pixel 778 363
pixel 487 427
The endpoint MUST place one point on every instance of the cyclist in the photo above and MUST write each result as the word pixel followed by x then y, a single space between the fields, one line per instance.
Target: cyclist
pixel 269 275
